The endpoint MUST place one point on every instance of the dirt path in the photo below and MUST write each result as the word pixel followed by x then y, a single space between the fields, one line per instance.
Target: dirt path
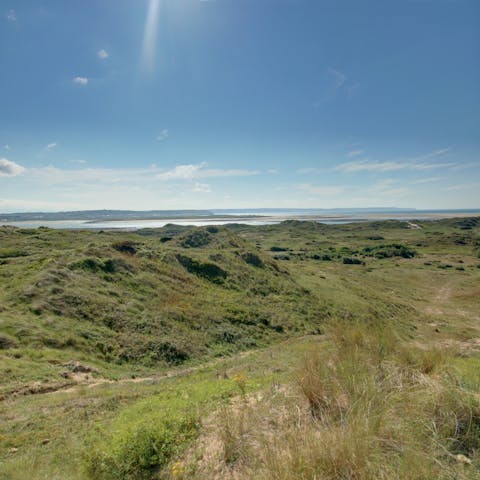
pixel 86 380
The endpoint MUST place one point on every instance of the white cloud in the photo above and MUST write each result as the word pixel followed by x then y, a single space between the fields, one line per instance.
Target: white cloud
pixel 416 163
pixel 427 180
pixel 202 187
pixel 102 54
pixel 338 77
pixel 354 153
pixel 9 168
pixel 163 135
pixel 7 147
pixel 11 16
pixel 308 170
pixel 181 172
pixel 367 166
pixel 80 80
pixel 81 162
pixel 19 205
pixel 51 146
pixel 338 86
pixel 320 189
pixel 190 172
pixel 464 186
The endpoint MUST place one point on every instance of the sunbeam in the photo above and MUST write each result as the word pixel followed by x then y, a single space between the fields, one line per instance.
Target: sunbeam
pixel 150 36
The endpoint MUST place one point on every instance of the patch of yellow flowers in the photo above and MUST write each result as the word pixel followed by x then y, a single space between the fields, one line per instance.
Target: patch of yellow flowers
pixel 240 380
pixel 178 470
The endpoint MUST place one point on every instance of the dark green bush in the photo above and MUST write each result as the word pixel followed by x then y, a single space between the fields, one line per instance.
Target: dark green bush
pixel 209 271
pixel 196 239
pixel 351 261
pixel 278 249
pixel 389 251
pixel 126 246
pixel 253 259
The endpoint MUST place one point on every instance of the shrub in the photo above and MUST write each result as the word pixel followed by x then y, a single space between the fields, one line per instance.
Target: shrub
pixel 126 246
pixel 278 249
pixel 351 261
pixel 138 449
pixel 209 271
pixel 12 253
pixel 389 251
pixel 253 259
pixel 197 238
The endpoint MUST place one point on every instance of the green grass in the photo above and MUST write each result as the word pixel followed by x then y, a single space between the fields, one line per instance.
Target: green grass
pixel 139 304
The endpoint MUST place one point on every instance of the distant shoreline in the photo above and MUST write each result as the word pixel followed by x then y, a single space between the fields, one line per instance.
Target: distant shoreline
pixel 131 222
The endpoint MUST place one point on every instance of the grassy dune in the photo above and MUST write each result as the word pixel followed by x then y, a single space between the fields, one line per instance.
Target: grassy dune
pixel 363 342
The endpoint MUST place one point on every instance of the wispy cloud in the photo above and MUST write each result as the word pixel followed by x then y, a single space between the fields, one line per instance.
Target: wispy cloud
pixel 320 189
pixel 80 81
pixel 339 85
pixel 150 35
pixel 339 77
pixel 351 90
pixel 354 153
pixel 435 153
pixel 464 186
pixel 388 188
pixel 51 175
pixel 190 172
pixel 102 54
pixel 9 168
pixel 80 161
pixel 417 163
pixel 421 181
pixel 11 16
pixel 51 146
pixel 163 135
pixel 366 166
pixel 7 147
pixel 202 187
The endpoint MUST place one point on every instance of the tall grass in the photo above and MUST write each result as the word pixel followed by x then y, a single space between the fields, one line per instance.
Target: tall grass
pixel 369 407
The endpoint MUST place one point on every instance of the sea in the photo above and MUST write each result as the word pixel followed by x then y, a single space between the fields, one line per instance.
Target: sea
pixel 255 217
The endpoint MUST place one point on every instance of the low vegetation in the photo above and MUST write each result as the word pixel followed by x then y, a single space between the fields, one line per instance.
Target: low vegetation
pixel 123 355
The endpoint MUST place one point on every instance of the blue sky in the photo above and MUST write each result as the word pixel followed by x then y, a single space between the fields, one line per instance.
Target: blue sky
pixel 164 104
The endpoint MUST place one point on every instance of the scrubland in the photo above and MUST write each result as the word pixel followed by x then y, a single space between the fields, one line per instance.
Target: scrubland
pixel 290 351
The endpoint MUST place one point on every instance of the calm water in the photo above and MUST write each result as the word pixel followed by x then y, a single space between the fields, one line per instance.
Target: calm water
pixel 257 217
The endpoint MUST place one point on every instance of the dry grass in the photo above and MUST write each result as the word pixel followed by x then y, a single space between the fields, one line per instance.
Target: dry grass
pixel 359 409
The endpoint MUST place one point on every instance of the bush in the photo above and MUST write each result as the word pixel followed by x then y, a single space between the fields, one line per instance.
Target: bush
pixel 389 251
pixel 111 265
pixel 136 450
pixel 12 253
pixel 198 238
pixel 253 259
pixel 352 261
pixel 209 271
pixel 126 247
pixel 278 249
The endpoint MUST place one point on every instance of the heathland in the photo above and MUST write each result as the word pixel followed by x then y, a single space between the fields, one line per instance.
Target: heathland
pixel 289 351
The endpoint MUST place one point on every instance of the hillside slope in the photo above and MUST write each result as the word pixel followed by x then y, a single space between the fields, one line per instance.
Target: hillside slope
pixel 140 299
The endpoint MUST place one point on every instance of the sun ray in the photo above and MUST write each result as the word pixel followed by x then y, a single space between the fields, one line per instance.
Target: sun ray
pixel 150 36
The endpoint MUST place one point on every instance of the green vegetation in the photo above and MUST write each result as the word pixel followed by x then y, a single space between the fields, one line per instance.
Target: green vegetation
pixel 121 354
